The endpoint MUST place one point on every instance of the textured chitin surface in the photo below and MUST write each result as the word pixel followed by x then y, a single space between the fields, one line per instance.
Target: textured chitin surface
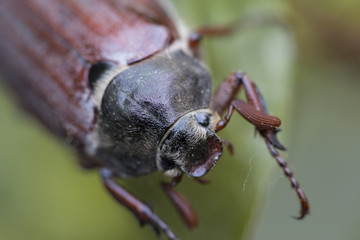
pixel 48 46
pixel 141 103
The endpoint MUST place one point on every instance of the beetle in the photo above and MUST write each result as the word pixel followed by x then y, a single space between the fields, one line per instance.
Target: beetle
pixel 124 85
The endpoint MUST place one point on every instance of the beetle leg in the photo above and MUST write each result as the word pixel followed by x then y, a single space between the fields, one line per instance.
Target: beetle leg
pixel 248 22
pixel 182 205
pixel 225 93
pixel 196 36
pixel 305 208
pixel 202 181
pixel 140 209
pixel 176 180
pixel 260 120
pixel 254 111
pixel 228 145
pixel 211 31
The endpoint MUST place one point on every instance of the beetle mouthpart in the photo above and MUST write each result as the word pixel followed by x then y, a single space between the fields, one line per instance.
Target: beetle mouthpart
pixel 190 146
pixel 212 150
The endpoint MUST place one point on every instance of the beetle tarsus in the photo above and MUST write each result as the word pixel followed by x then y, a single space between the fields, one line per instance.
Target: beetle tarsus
pixel 290 175
pixel 142 211
pixel 274 140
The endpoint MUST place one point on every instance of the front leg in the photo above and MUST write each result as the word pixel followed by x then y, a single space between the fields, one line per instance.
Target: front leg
pixel 254 111
pixel 181 204
pixel 140 209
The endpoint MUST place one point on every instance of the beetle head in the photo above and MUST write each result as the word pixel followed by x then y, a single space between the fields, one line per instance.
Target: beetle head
pixel 190 146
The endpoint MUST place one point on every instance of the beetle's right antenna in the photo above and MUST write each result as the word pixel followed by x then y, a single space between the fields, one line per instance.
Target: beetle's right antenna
pixel 255 112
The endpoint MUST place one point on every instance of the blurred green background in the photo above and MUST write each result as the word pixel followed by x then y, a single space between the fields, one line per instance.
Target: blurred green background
pixel 308 71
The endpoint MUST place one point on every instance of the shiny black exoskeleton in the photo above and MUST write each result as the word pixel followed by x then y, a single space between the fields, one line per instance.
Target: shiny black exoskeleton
pixel 154 116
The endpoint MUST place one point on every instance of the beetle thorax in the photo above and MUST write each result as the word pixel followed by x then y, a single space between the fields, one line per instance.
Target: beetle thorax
pixel 190 146
pixel 142 102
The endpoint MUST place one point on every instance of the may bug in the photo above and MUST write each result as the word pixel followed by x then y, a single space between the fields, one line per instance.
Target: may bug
pixel 123 84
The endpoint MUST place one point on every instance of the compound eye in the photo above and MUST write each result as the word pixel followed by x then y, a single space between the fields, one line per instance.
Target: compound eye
pixel 203 119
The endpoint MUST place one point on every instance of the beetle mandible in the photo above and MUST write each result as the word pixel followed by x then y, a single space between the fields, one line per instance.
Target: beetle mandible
pixel 122 82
